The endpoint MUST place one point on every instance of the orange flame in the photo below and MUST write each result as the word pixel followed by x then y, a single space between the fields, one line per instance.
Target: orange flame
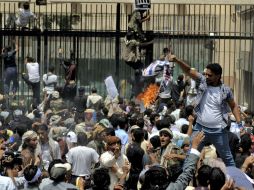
pixel 149 95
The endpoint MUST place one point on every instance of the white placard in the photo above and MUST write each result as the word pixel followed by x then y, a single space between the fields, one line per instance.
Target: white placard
pixel 111 87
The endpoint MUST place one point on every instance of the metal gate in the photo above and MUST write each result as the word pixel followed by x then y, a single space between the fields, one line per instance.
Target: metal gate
pixel 199 34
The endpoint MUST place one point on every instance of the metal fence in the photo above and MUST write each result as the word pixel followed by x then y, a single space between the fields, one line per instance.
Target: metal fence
pixel 199 34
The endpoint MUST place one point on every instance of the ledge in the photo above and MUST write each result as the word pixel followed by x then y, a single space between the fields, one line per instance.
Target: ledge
pixel 235 2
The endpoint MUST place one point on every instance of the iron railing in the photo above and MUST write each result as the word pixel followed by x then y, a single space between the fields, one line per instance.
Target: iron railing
pixel 199 34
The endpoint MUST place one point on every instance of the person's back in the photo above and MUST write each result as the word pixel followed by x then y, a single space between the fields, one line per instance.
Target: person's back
pixel 33 70
pixel 101 179
pixel 80 100
pixel 177 88
pixel 94 101
pixel 10 69
pixel 49 80
pixel 135 155
pixel 81 157
pixel 9 57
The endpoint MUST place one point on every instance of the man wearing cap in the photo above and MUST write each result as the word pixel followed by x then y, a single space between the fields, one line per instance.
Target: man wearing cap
pixel 213 103
pixel 113 159
pixel 89 119
pixel 170 154
pixel 59 174
pixel 28 148
pixel 98 136
pixel 56 102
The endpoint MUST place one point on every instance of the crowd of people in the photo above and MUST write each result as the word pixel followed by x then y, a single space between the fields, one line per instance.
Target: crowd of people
pixel 194 136
pixel 88 142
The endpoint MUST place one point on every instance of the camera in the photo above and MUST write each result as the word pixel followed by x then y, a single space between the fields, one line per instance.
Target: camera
pixel 11 158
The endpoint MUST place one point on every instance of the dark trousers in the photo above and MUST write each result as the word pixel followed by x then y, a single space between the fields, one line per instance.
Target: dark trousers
pixel 35 88
pixel 10 74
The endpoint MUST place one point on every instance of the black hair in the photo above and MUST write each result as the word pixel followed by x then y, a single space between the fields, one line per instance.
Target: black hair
pixel 29 173
pixel 217 178
pixel 184 128
pixel 20 129
pixel 164 123
pixel 155 141
pixel 248 120
pixel 189 110
pixel 29 59
pixel 133 120
pixel 82 139
pixel 165 50
pixel 51 164
pixel 180 77
pixel 171 119
pixel 204 175
pixel 245 142
pixel 94 90
pixel 148 112
pixel 122 121
pixel 215 68
pixel 110 131
pixel 138 135
pixel 51 68
pixel 37 113
pixel 114 120
pixel 155 178
pixel 26 5
pixel 43 127
pixel 140 122
pixel 145 135
pixel 101 179
pixel 7 49
pixel 178 104
pixel 105 111
pixel 152 117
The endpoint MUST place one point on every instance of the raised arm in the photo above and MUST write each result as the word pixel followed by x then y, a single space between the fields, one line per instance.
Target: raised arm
pixel 193 73
pixel 147 17
pixel 234 107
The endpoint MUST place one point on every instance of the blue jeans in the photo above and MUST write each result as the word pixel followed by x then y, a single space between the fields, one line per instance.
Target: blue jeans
pixel 219 138
pixel 10 75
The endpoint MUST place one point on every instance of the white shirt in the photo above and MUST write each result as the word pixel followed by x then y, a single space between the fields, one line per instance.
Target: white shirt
pixel 82 158
pixel 108 160
pixel 49 79
pixel 180 122
pixel 176 113
pixel 24 17
pixel 6 183
pixel 33 72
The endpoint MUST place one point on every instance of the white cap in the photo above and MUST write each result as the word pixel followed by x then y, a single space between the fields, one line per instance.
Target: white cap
pixel 72 137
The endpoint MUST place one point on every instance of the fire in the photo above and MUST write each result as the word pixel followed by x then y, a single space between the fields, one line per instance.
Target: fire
pixel 149 95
